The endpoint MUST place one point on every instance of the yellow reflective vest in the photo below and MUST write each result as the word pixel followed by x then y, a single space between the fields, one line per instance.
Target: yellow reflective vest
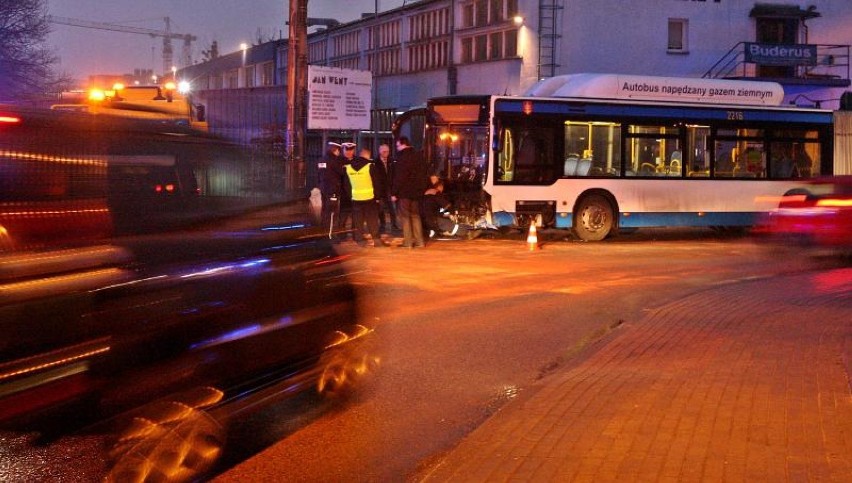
pixel 361 181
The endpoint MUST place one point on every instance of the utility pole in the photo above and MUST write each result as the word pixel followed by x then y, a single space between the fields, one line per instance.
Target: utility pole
pixel 297 80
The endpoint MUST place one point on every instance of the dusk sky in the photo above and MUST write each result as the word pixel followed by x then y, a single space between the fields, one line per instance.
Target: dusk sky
pixel 85 51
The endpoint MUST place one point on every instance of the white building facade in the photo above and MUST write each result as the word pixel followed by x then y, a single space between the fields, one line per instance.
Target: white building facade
pixel 440 47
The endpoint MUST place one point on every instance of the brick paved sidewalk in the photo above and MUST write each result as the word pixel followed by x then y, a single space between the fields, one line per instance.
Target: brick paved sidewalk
pixel 745 382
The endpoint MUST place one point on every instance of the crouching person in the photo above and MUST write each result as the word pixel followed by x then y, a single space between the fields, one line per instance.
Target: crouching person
pixel 438 222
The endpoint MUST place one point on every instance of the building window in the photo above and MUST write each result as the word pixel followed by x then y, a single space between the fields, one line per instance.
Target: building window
pixel 511 41
pixel 496 11
pixel 249 76
pixel 492 46
pixel 480 48
pixel 496 45
pixel 350 63
pixel 346 44
pixel 232 79
pixel 467 50
pixel 386 34
pixel 384 63
pixel 511 8
pixel 316 52
pixel 481 7
pixel 266 74
pixel 480 13
pixel 467 15
pixel 429 25
pixel 428 56
pixel 678 35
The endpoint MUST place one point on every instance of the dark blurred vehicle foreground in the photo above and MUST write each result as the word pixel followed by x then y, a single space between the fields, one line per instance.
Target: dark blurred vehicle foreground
pixel 163 338
pixel 817 216
pixel 172 337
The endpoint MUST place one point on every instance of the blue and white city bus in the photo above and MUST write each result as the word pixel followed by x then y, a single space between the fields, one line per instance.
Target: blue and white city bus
pixel 601 152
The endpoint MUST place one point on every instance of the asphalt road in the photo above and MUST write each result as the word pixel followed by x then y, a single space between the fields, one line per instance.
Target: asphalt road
pixel 465 326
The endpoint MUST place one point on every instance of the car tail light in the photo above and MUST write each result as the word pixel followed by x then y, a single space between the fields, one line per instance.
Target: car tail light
pixel 168 188
pixel 9 119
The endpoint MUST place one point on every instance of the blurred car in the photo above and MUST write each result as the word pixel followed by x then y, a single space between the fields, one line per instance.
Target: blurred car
pixel 817 215
pixel 164 336
pixel 173 336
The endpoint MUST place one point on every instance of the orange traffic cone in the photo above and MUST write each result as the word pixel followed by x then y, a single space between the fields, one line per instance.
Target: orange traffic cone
pixel 532 237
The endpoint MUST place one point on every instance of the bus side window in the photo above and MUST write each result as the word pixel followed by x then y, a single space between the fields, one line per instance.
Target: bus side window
pixel 723 165
pixel 753 164
pixel 534 162
pixel 525 160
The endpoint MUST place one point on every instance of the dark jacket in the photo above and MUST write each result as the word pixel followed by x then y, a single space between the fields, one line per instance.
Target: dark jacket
pixel 345 187
pixel 411 175
pixel 431 207
pixel 386 175
pixel 330 178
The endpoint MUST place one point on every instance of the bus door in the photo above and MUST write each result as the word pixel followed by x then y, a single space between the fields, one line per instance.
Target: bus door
pixel 412 124
pixel 454 140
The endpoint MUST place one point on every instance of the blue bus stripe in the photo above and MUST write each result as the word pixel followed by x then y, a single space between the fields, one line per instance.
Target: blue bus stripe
pixel 654 219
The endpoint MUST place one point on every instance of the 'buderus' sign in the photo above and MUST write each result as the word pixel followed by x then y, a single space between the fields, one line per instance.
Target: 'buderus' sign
pixel 775 54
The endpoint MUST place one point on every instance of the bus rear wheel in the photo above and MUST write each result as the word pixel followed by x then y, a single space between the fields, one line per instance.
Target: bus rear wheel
pixel 594 220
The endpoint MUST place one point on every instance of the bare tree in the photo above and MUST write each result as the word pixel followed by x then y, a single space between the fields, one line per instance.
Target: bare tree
pixel 25 61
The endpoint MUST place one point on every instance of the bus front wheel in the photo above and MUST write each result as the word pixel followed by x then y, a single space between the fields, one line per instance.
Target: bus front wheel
pixel 594 220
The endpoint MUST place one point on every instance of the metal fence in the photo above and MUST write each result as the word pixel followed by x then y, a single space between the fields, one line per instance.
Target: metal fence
pixel 256 118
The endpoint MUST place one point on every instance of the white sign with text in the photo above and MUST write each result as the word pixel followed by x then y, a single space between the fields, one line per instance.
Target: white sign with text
pixel 339 98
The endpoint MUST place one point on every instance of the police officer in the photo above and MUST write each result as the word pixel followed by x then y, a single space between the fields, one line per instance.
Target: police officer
pixel 330 184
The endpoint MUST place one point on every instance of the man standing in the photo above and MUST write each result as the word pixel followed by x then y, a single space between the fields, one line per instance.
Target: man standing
pixel 330 186
pixel 365 182
pixel 385 166
pixel 409 183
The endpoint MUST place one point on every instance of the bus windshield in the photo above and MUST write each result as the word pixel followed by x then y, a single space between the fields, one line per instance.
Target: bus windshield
pixel 461 154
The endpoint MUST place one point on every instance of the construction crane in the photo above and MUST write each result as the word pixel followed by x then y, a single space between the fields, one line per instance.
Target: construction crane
pixel 166 34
